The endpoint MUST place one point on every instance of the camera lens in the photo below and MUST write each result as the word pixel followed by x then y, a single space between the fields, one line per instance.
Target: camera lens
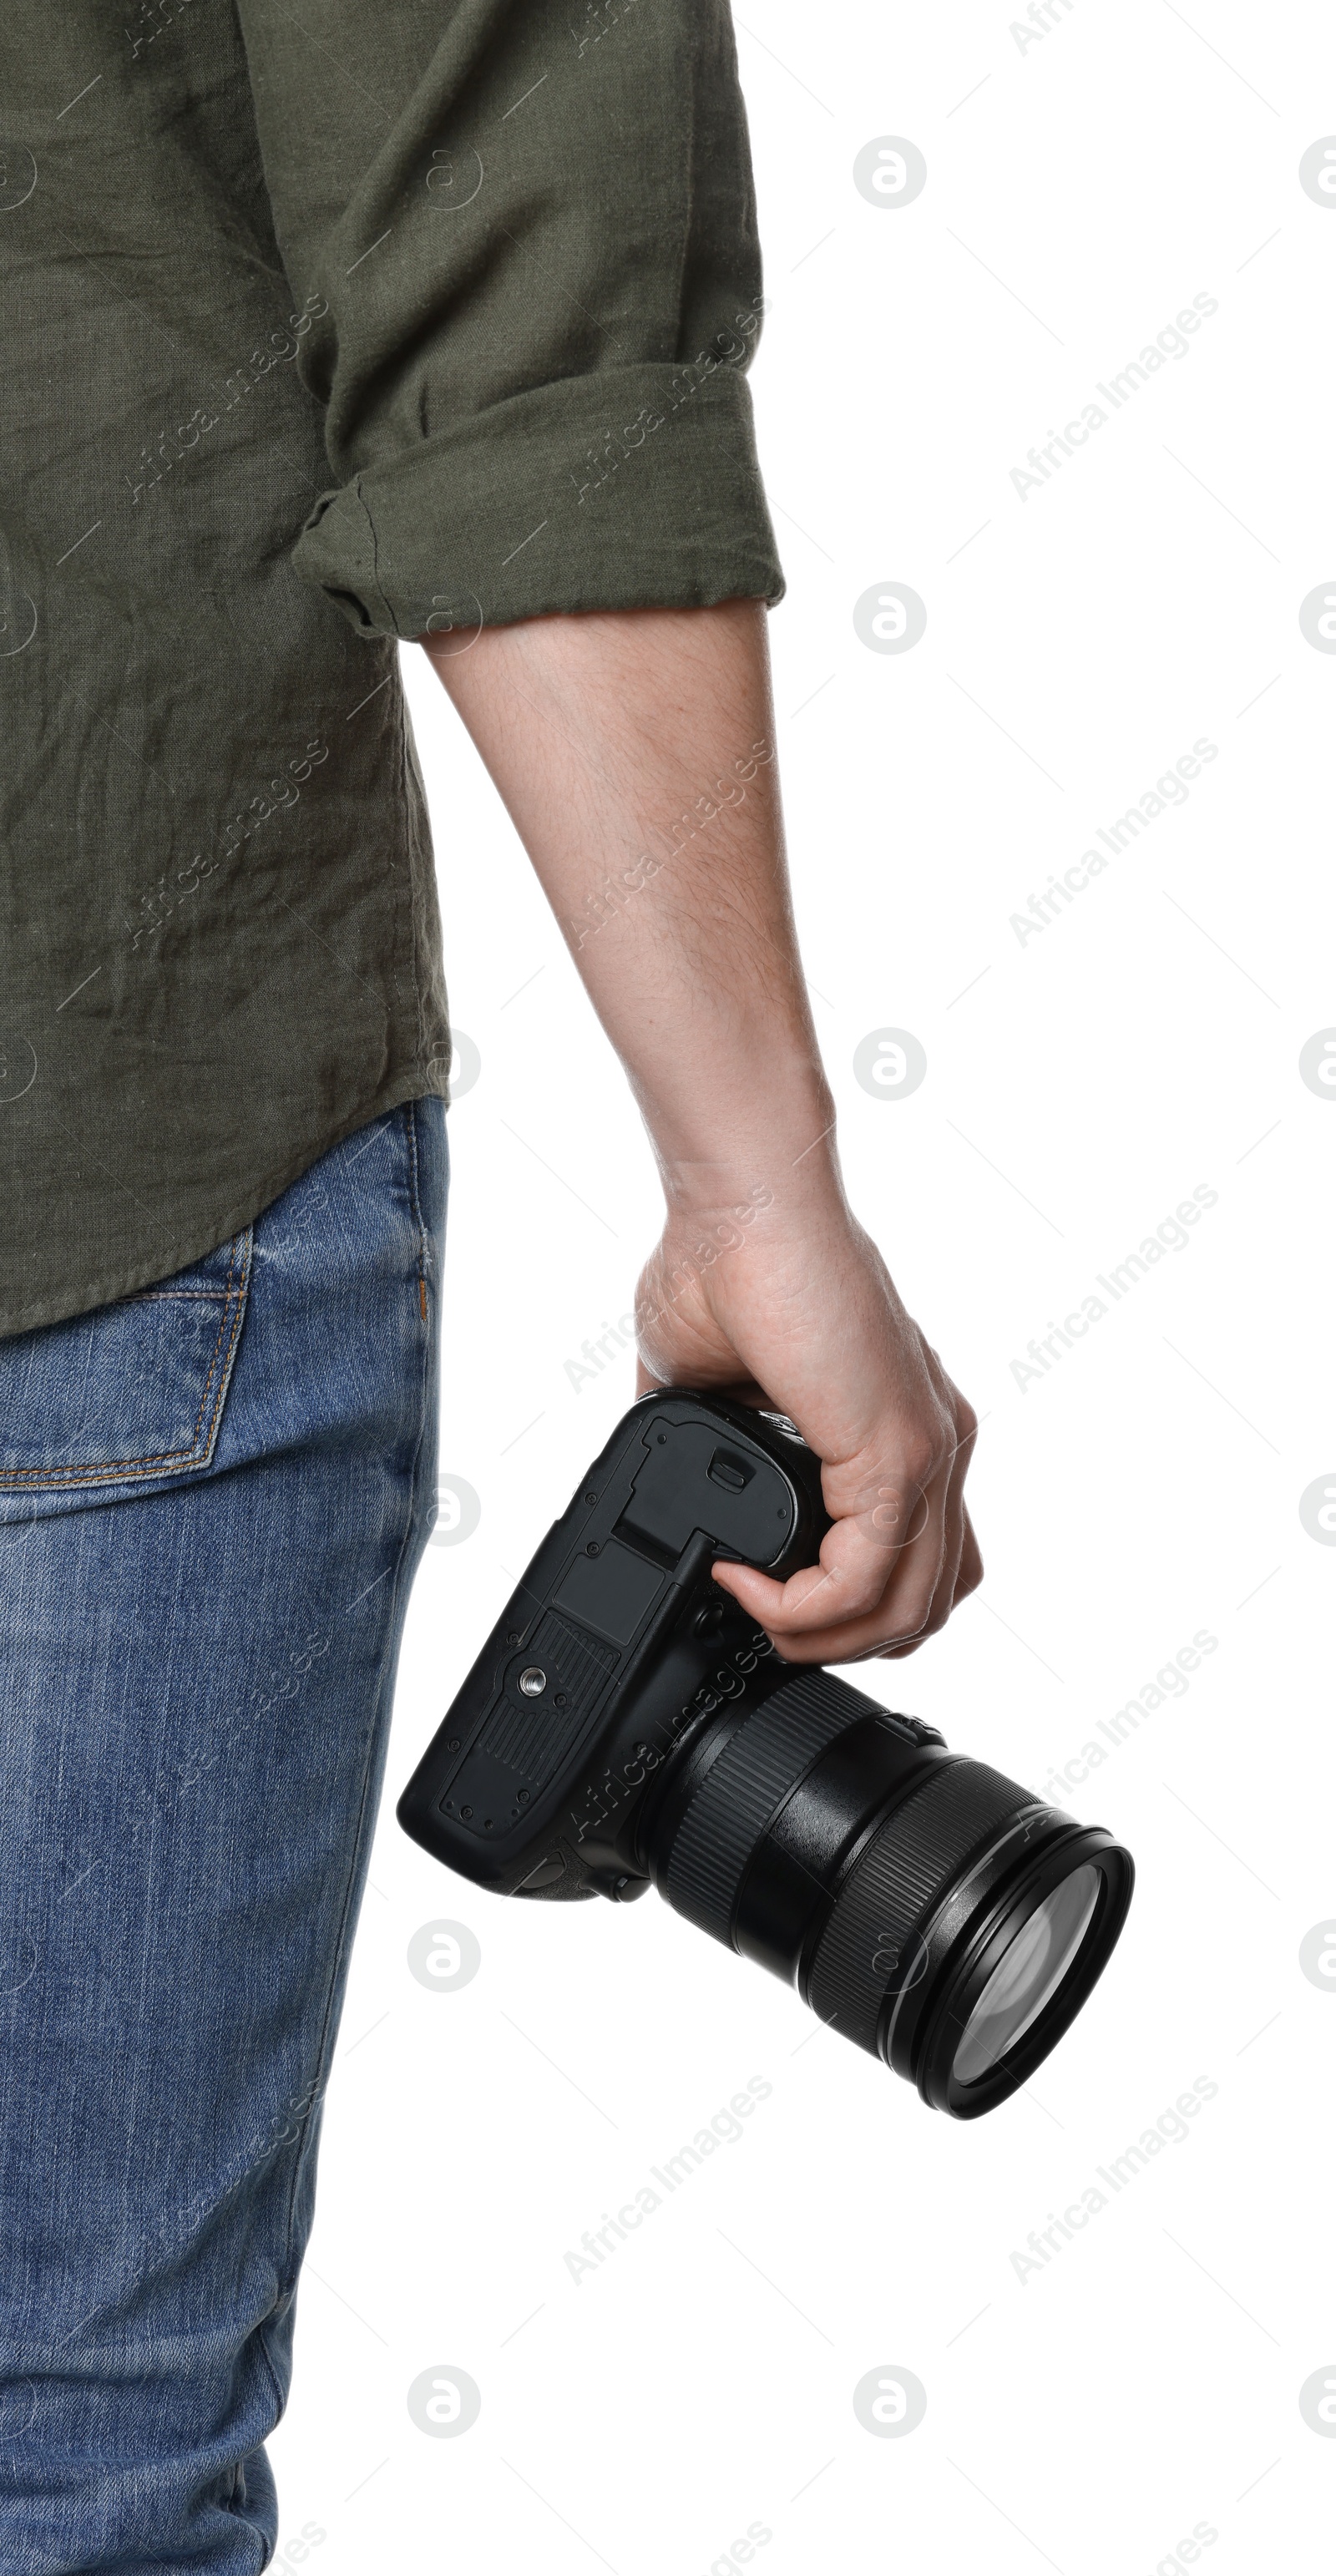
pixel 1030 1971
pixel 926 1907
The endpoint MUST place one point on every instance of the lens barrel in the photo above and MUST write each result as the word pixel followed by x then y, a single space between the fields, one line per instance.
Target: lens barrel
pixel 929 1909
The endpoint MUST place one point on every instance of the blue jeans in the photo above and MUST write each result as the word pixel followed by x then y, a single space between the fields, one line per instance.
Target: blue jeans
pixel 212 1502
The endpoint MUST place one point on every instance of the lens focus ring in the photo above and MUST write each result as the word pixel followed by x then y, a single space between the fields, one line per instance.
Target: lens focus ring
pixel 742 1789
pixel 909 1862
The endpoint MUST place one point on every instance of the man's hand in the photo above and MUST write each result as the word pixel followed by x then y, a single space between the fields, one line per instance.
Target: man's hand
pixel 802 1314
pixel 635 753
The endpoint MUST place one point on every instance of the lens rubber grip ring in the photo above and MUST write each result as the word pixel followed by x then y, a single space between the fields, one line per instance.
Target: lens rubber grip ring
pixel 740 1793
pixel 909 1862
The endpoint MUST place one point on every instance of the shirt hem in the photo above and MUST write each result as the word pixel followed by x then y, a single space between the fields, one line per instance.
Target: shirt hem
pixel 111 1286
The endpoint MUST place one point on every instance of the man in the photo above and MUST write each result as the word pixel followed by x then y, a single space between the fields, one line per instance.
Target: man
pixel 327 328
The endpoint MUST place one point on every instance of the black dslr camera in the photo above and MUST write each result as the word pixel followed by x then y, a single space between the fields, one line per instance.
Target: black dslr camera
pixel 626 1722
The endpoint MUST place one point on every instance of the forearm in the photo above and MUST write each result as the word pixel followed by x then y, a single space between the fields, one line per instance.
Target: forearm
pixel 635 753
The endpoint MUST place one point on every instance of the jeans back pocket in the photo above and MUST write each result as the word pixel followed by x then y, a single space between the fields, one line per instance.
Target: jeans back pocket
pixel 128 1393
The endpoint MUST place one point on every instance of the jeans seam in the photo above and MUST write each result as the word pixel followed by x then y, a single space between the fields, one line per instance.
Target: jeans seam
pixel 262 2338
pixel 415 1192
pixel 341 1942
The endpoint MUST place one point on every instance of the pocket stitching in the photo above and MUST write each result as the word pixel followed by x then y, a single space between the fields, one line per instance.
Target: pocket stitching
pixel 177 1296
pixel 121 1470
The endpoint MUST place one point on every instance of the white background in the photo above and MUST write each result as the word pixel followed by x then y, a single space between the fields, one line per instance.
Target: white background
pixel 1080 192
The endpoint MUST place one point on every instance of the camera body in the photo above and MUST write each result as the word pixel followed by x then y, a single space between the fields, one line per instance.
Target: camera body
pixel 616 1650
pixel 627 1725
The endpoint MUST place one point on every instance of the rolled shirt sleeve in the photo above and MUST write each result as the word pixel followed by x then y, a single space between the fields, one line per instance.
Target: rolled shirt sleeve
pixel 525 238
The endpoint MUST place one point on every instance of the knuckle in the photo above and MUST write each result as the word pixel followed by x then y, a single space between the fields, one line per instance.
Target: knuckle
pixel 797 1650
pixel 907 1635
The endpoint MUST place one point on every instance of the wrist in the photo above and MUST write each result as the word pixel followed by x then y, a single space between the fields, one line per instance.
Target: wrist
pixel 777 1153
pixel 799 1219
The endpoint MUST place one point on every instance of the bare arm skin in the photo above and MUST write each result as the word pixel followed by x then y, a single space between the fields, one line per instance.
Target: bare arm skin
pixel 634 751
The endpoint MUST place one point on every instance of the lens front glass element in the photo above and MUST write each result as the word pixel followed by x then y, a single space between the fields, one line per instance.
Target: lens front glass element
pixel 1028 1974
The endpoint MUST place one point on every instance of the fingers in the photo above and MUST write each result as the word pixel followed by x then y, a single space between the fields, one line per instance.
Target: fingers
pixel 961 1567
pixel 871 1396
pixel 971 1564
pixel 854 1570
pixel 888 1575
pixel 969 1575
pixel 867 1588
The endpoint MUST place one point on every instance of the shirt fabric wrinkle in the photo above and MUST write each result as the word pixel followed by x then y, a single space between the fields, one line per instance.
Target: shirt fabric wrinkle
pixel 311 348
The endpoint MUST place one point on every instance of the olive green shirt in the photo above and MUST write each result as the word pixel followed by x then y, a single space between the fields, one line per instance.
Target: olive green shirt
pixel 324 324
